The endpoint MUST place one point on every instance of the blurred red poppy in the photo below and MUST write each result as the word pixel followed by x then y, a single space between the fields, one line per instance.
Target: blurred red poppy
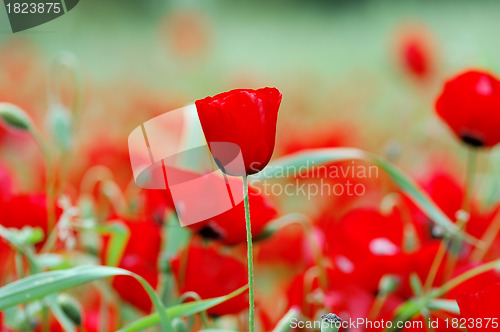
pixel 114 156
pixel 26 210
pixel 473 284
pixel 483 304
pixel 92 318
pixel 128 288
pixel 229 227
pixel 370 246
pixel 288 246
pixel 340 296
pixel 470 105
pixel 141 257
pixel 447 192
pixel 415 55
pixel 246 118
pixel 415 58
pixel 210 274
pixel 156 203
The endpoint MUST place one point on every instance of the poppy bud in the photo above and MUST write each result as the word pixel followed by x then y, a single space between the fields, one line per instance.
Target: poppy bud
pixel 388 284
pixel 246 118
pixel 179 325
pixel 470 106
pixel 14 116
pixel 71 308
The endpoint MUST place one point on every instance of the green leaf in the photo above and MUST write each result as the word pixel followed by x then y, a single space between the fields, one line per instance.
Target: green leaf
pixel 416 284
pixel 405 312
pixel 316 157
pixel 40 285
pixel 11 238
pixel 60 123
pixel 445 305
pixel 180 310
pixel 14 116
pixel 29 235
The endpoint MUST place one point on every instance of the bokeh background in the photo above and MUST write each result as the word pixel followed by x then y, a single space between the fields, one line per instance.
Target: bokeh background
pixel 341 65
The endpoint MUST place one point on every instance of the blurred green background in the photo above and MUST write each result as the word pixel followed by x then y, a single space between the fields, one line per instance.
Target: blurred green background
pixel 336 62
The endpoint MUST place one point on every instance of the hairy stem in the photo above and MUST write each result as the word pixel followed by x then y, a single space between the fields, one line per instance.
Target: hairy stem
pixel 251 309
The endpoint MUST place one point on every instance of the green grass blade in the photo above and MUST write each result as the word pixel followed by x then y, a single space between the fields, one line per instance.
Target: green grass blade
pixel 316 157
pixel 119 235
pixel 180 310
pixel 43 284
pixel 284 323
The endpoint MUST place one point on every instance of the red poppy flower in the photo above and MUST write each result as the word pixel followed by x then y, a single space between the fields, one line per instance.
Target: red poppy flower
pixel 340 296
pixel 141 257
pixel 104 152
pixel 156 203
pixel 92 320
pixel 415 58
pixel 288 246
pixel 483 304
pixel 3 328
pixel 470 105
pixel 415 55
pixel 243 117
pixel 211 274
pixel 367 245
pixel 420 262
pixel 447 192
pixel 229 227
pixel 473 284
pixel 26 210
pixel 128 288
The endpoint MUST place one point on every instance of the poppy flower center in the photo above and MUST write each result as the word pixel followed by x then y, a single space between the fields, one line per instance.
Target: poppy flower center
pixel 472 140
pixel 209 232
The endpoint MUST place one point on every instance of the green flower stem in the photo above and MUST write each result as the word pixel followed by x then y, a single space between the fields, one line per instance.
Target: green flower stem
pixel 449 241
pixel 466 276
pixel 488 238
pixel 377 306
pixel 251 308
pixel 195 296
pixel 413 307
pixel 438 259
pixel 67 61
pixel 49 178
pixel 456 243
